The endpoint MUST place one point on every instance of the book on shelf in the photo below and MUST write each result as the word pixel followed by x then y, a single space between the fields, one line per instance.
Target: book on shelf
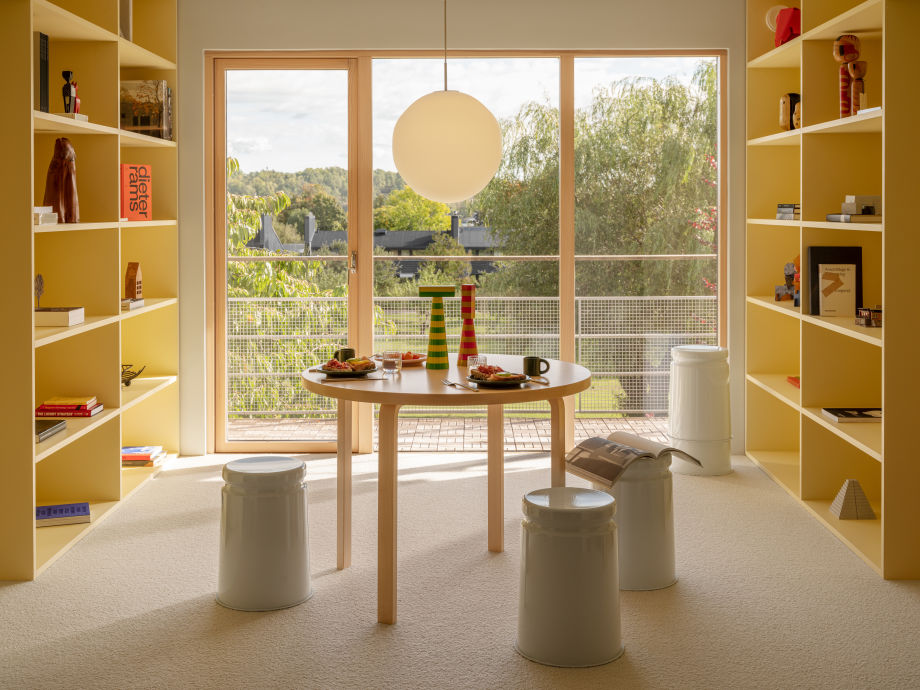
pixel 795 381
pixel 788 216
pixel 40 71
pixel 865 200
pixel 41 411
pixel 818 255
pixel 62 514
pixel 140 452
pixel 603 460
pixel 155 461
pixel 837 296
pixel 786 206
pixel 45 218
pixel 80 117
pixel 145 107
pixel 129 304
pixel 136 192
pixel 58 316
pixel 852 414
pixel 853 218
pixel 46 428
pixel 70 400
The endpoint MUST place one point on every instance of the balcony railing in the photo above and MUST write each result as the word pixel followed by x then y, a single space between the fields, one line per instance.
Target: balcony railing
pixel 624 341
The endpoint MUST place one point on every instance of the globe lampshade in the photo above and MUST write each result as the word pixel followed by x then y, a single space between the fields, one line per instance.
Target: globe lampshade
pixel 447 146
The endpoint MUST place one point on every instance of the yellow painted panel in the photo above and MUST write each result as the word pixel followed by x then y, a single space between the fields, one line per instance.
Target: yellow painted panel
pixel 103 13
pixel 163 177
pixel 89 469
pixel 781 465
pixel 838 371
pixel 96 171
pixel 773 178
pixel 835 165
pixel 95 70
pixel 155 26
pixel 769 248
pixel 765 87
pixel 155 249
pixel 78 269
pixel 760 39
pixel 871 243
pixel 153 421
pixel 821 79
pixel 770 423
pixel 828 460
pixel 772 341
pixel 86 364
pixel 152 340
pixel 830 18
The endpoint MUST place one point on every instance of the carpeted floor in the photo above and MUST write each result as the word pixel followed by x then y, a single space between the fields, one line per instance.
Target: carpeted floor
pixel 767 598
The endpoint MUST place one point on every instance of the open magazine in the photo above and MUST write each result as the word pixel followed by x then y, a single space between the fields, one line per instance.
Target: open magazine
pixel 603 460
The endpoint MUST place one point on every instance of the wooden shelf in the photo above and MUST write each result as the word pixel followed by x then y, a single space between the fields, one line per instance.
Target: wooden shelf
pixel 132 55
pixel 134 139
pixel 52 542
pixel 863 20
pixel 73 227
pixel 863 123
pixel 150 304
pixel 76 428
pixel 45 335
pixel 786 307
pixel 781 465
pixel 62 25
pixel 147 223
pixel 777 386
pixel 773 221
pixel 865 436
pixel 133 478
pixel 862 536
pixel 846 325
pixel 861 227
pixel 786 55
pixel 790 138
pixel 142 388
pixel 49 123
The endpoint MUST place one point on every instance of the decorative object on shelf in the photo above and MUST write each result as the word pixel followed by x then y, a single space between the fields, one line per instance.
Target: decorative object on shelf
pixel 145 107
pixel 127 375
pixel 39 286
pixel 788 25
pixel 864 204
pixel 69 91
pixel 40 71
pixel 851 502
pixel 869 318
pixel 437 335
pixel 133 281
pixel 797 116
pixel 468 330
pixel 858 99
pixel 76 97
pixel 795 381
pixel 132 304
pixel 853 218
pixel 447 145
pixel 44 215
pixel 61 182
pixel 62 514
pixel 788 212
pixel 787 291
pixel 846 50
pixel 833 256
pixel 787 105
pixel 46 428
pixel 136 191
pixel 59 316
pixel 125 20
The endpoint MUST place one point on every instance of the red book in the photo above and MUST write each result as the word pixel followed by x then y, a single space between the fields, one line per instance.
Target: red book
pixel 41 412
pixel 62 408
pixel 794 380
pixel 136 192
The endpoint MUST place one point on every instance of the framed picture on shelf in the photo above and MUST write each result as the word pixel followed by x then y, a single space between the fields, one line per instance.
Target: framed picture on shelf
pixel 837 297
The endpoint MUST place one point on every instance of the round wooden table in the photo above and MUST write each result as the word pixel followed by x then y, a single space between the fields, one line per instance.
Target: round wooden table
pixel 420 386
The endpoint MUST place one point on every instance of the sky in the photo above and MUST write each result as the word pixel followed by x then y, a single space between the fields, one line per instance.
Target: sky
pixel 288 120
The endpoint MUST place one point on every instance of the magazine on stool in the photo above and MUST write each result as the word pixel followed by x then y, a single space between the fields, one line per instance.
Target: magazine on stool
pixel 603 460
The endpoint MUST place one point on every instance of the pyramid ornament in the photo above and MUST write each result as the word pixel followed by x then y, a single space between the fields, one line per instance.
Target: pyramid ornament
pixel 468 330
pixel 437 334
pixel 851 503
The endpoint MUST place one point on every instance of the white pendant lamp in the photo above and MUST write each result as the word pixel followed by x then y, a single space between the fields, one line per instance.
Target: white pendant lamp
pixel 447 145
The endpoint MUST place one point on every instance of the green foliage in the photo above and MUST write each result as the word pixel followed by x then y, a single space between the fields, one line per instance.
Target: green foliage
pixel 405 209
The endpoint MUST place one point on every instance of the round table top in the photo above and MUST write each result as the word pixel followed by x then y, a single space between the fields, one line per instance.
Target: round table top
pixel 421 386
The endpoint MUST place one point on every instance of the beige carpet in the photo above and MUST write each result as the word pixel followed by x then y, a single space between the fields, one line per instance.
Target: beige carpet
pixel 766 597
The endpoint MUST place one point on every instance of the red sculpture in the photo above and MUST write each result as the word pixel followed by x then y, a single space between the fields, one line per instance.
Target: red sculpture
pixel 61 183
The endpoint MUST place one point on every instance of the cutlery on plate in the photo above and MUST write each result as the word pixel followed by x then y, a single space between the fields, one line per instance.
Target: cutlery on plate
pixel 447 382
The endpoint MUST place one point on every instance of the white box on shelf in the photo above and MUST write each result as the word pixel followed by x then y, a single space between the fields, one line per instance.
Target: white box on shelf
pixel 58 316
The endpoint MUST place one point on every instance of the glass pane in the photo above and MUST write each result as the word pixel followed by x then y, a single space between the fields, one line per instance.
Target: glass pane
pixel 646 185
pixel 287 138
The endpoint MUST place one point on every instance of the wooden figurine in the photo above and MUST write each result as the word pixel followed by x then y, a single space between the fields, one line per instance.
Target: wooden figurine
pixel 133 281
pixel 846 50
pixel 787 105
pixel 61 183
pixel 797 116
pixel 69 91
pixel 858 100
pixel 468 330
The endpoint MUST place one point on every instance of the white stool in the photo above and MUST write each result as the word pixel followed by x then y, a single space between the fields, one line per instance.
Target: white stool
pixel 569 606
pixel 699 417
pixel 264 535
pixel 644 496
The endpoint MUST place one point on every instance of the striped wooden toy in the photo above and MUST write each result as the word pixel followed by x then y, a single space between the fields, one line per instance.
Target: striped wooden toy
pixel 437 334
pixel 468 330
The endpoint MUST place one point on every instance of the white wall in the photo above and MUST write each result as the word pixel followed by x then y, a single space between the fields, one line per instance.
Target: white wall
pixel 418 24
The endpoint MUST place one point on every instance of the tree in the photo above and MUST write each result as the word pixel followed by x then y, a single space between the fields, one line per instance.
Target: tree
pixel 405 209
pixel 325 208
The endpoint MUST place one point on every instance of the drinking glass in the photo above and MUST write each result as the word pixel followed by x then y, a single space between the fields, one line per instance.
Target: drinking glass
pixel 476 360
pixel 392 362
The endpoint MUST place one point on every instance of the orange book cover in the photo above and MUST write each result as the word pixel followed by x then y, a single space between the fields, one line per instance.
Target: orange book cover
pixel 136 192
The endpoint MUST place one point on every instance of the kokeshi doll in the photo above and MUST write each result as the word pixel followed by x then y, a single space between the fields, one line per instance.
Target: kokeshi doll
pixel 846 50
pixel 468 330
pixel 437 334
pixel 857 70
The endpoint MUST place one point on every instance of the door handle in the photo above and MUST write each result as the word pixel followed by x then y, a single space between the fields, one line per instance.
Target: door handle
pixel 354 262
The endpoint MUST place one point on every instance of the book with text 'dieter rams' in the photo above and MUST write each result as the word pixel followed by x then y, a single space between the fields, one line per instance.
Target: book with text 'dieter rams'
pixel 603 460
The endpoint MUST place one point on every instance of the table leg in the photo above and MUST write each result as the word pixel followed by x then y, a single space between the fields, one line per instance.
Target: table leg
pixel 496 478
pixel 386 513
pixel 558 441
pixel 343 486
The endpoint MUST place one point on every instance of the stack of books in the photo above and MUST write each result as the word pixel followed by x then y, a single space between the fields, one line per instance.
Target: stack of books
pixel 44 215
pixel 62 514
pixel 77 406
pixel 788 211
pixel 45 428
pixel 858 208
pixel 142 456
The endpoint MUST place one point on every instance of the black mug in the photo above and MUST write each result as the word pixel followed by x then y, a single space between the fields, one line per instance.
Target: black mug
pixel 535 366
pixel 344 353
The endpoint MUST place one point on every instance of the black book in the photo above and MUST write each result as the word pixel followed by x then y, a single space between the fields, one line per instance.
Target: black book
pixel 40 71
pixel 831 255
pixel 45 428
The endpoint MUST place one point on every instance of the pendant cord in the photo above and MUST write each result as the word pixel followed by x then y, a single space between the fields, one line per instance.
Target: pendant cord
pixel 445 45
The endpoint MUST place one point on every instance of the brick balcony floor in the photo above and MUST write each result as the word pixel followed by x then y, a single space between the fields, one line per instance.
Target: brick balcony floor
pixel 451 433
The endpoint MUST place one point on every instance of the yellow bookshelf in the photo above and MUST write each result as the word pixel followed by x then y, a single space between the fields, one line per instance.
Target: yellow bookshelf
pixel 840 364
pixel 83 264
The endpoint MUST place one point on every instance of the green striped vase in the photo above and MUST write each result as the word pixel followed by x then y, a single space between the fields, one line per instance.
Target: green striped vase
pixel 437 334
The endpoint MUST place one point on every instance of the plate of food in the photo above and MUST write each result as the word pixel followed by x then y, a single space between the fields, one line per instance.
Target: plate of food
pixel 409 358
pixel 350 368
pixel 495 377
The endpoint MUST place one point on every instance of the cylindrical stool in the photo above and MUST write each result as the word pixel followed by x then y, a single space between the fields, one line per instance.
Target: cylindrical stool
pixel 699 417
pixel 264 535
pixel 644 496
pixel 569 605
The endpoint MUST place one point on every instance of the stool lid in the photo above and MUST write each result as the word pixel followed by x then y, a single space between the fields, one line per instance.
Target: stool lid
pixel 699 353
pixel 267 471
pixel 567 507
